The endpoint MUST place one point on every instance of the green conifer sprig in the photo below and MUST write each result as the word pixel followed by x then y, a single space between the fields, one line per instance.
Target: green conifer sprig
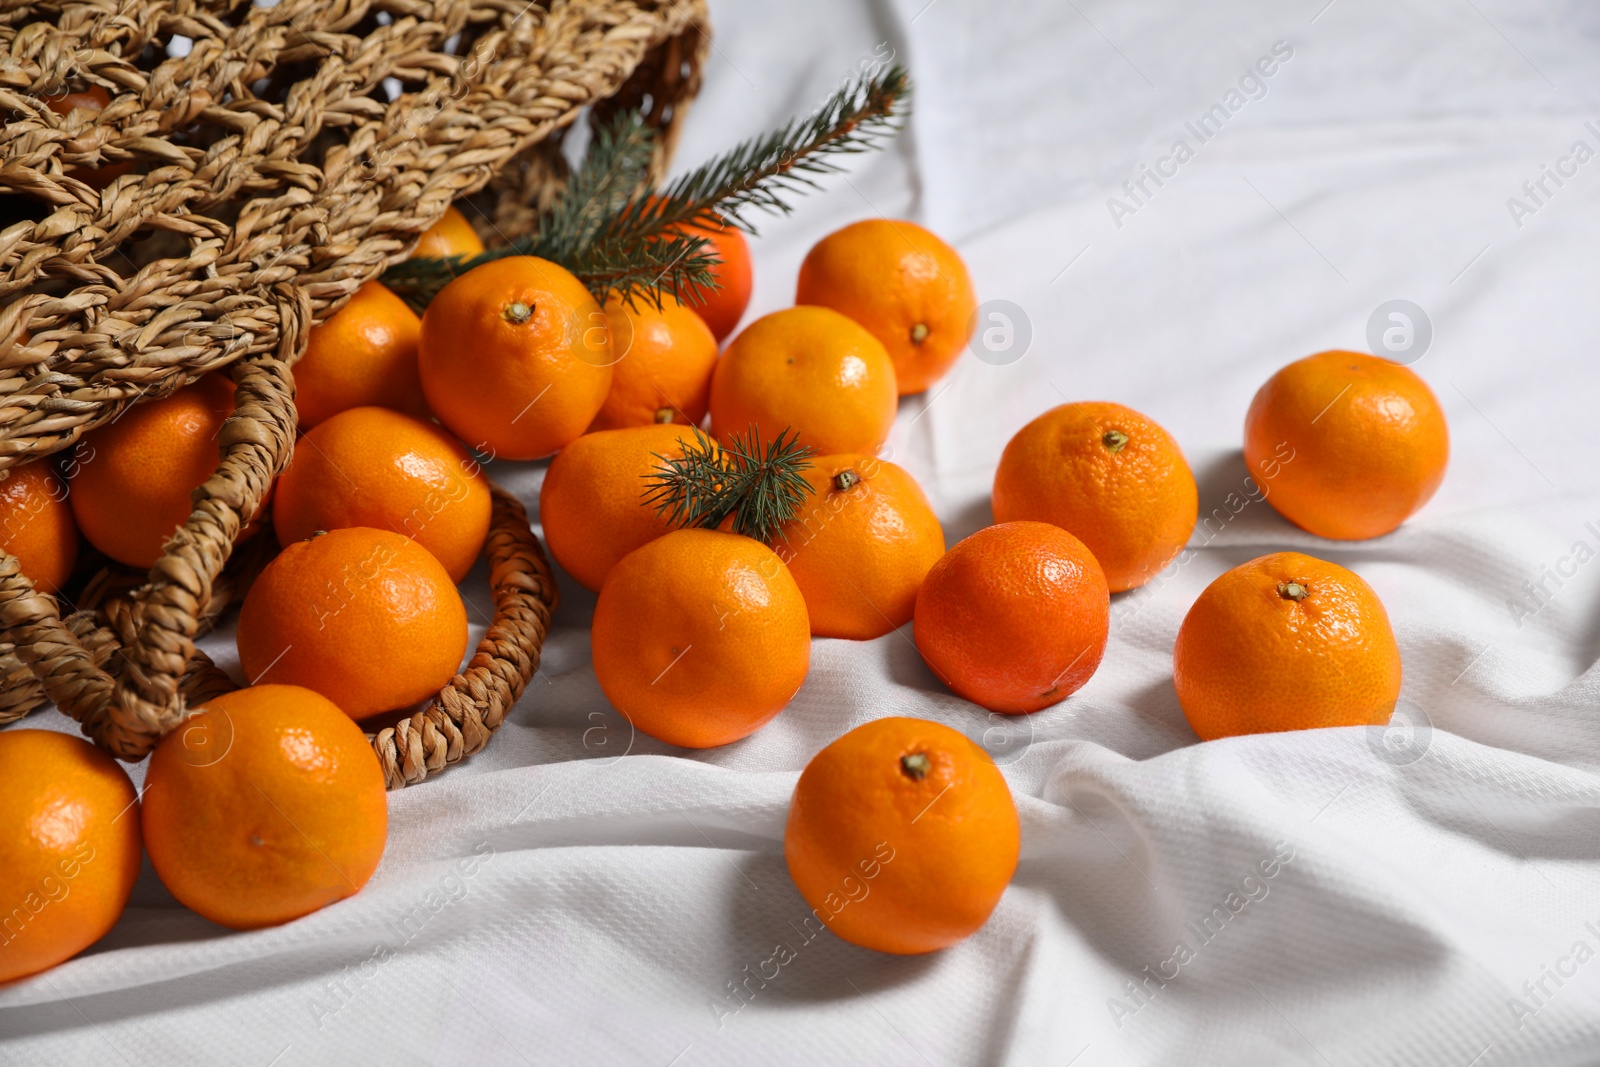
pixel 615 167
pixel 761 485
pixel 620 236
pixel 856 118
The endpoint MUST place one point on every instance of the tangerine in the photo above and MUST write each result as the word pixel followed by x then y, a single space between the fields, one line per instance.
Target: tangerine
pixel 1110 477
pixel 368 618
pixel 90 97
pixel 264 805
pixel 1285 642
pixel 700 637
pixel 365 355
pixel 910 289
pixel 902 836
pixel 664 359
pixel 811 370
pixel 592 502
pixel 862 546
pixel 1367 443
pixel 70 850
pixel 132 478
pixel 1015 617
pixel 452 235
pixel 378 468
pixel 36 524
pixel 516 357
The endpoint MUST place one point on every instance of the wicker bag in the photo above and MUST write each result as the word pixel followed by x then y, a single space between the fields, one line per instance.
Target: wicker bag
pixel 267 161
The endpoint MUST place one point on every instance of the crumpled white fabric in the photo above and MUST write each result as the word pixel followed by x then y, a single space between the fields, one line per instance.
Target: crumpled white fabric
pixel 578 895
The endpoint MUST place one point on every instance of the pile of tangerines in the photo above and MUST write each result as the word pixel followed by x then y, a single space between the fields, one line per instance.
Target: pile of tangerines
pixel 700 635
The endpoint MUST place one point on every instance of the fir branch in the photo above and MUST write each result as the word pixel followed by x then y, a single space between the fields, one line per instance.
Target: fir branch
pixel 615 169
pixel 760 486
pixel 768 487
pixel 678 263
pixel 617 237
pixel 757 173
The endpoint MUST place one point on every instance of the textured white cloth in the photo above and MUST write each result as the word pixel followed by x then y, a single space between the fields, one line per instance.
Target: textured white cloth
pixel 576 895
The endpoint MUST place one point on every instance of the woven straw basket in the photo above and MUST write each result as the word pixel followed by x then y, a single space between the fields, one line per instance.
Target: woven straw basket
pixel 268 175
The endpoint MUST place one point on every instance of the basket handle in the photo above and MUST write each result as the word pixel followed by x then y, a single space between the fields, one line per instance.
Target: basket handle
pixel 128 708
pixel 460 720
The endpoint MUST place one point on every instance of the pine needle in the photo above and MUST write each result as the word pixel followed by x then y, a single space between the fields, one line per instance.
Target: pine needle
pixel 621 237
pixel 760 486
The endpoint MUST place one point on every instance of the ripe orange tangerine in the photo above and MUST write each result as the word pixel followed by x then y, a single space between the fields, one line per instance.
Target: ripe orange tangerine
pixel 664 359
pixel 910 289
pixel 133 477
pixel 368 618
pixel 378 468
pixel 366 355
pixel 36 524
pixel 1285 642
pixel 592 504
pixel 452 235
pixel 860 546
pixel 265 805
pixel 1015 617
pixel 516 357
pixel 809 369
pixel 1109 476
pixel 902 836
pixel 1367 439
pixel 91 97
pixel 70 849
pixel 700 637
pixel 723 308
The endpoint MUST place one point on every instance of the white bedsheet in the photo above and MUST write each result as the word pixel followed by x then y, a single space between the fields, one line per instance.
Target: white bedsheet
pixel 575 895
